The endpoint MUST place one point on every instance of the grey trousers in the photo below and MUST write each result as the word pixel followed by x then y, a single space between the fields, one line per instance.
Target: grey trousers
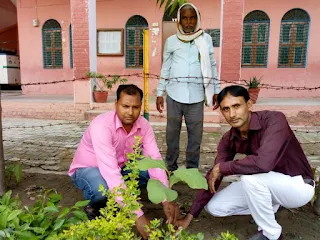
pixel 193 115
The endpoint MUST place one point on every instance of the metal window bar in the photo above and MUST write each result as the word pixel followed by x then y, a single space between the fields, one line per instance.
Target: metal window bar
pixel 293 44
pixel 52 45
pixel 71 47
pixel 255 43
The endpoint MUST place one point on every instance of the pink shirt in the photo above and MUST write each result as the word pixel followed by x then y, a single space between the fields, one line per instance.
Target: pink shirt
pixel 105 144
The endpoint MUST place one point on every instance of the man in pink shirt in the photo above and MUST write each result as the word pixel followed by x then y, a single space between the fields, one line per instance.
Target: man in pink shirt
pixel 101 154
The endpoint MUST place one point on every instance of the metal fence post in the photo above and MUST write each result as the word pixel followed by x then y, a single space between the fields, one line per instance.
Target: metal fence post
pixel 146 73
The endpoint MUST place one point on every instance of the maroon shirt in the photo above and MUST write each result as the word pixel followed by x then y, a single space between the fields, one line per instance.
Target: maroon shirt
pixel 271 146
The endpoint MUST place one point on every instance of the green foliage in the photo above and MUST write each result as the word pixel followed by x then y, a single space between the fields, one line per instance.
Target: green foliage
pixel 44 220
pixel 254 82
pixel 13 170
pixel 157 232
pixel 172 4
pixel 115 222
pixel 227 236
pixel 106 83
pixel 157 192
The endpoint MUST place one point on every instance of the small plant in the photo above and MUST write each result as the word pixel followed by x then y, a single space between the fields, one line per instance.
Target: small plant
pixel 13 170
pixel 117 222
pixel 157 192
pixel 227 236
pixel 254 82
pixel 42 221
pixel 103 83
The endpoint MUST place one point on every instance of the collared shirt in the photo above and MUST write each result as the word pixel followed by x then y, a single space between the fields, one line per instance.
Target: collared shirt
pixel 181 67
pixel 105 144
pixel 271 146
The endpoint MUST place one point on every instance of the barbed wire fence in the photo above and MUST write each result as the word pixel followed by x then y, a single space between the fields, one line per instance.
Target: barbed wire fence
pixel 185 80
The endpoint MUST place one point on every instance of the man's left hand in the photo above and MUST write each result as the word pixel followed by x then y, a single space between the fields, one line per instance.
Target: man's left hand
pixel 214 176
pixel 171 210
pixel 215 101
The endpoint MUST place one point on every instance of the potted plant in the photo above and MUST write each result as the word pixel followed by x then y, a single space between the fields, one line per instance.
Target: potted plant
pixel 102 85
pixel 253 88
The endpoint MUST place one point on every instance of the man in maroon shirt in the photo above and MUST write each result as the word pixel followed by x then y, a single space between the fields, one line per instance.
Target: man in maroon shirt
pixel 274 173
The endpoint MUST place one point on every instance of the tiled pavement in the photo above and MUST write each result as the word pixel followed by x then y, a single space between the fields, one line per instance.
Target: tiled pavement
pixel 50 148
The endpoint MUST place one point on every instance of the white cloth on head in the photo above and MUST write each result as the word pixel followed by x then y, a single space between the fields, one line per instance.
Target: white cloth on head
pixel 197 36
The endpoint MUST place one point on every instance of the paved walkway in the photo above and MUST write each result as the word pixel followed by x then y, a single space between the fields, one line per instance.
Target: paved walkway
pixel 50 148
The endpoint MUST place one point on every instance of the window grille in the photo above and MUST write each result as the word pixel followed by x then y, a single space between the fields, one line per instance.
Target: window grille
pixel 71 47
pixel 134 41
pixel 215 35
pixel 52 44
pixel 255 39
pixel 293 39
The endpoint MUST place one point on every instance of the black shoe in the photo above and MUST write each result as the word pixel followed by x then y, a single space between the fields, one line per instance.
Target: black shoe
pixel 91 213
pixel 260 236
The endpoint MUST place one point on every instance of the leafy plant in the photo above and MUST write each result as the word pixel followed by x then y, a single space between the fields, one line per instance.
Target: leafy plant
pixel 172 4
pixel 227 236
pixel 42 221
pixel 157 192
pixel 117 222
pixel 104 83
pixel 254 82
pixel 13 170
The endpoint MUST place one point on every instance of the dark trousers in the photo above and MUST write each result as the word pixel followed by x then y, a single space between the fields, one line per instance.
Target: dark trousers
pixel 193 115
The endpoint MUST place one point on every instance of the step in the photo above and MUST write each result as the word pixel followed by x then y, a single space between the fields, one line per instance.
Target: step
pixel 207 127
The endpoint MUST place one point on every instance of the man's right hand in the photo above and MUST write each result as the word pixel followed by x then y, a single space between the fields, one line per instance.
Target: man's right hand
pixel 160 105
pixel 141 224
pixel 184 222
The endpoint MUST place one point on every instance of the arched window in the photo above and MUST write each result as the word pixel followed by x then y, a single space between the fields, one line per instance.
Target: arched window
pixel 52 44
pixel 255 39
pixel 134 41
pixel 71 47
pixel 293 39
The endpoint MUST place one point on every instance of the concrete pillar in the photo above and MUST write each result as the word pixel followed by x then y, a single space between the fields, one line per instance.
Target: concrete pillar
pixel 232 14
pixel 83 20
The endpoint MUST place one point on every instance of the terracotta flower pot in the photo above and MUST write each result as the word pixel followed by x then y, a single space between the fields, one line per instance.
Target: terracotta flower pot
pixel 253 94
pixel 100 97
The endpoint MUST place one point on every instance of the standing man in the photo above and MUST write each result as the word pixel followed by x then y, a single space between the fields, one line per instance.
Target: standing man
pixel 274 173
pixel 101 155
pixel 189 77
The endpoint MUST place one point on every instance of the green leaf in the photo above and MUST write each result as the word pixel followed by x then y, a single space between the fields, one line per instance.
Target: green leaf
pixel 51 209
pixel 13 215
pixel 173 180
pixel 6 198
pixel 157 192
pixel 82 203
pixel 26 235
pixel 45 224
pixel 2 208
pixel 55 197
pixel 162 2
pixel 173 7
pixel 72 221
pixel 168 4
pixel 59 222
pixel 192 177
pixel 148 162
pixel 3 219
pixel 81 215
pixel 2 234
pixel 64 212
pixel 18 172
pixel 38 230
pixel 52 236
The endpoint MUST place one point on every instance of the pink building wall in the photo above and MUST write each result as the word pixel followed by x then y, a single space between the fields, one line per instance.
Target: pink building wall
pixel 308 76
pixel 114 14
pixel 8 14
pixel 30 39
pixel 111 15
